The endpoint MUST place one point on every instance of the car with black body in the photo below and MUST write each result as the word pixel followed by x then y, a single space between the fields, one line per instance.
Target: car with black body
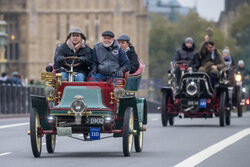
pixel 194 97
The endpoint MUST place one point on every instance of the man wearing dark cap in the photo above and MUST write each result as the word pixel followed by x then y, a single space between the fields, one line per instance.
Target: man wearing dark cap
pixel 74 46
pixel 109 59
pixel 187 53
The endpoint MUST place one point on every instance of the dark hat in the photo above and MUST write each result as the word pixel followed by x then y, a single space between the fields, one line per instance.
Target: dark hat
pixel 189 40
pixel 123 37
pixel 108 33
pixel 15 73
pixel 78 31
pixel 75 30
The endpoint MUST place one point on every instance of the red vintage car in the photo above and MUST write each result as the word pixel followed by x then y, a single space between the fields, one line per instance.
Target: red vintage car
pixel 88 108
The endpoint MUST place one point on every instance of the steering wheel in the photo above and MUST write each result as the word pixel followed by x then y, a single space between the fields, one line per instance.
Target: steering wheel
pixel 72 58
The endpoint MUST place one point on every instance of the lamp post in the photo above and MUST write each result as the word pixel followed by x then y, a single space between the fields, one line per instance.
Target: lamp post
pixel 3 43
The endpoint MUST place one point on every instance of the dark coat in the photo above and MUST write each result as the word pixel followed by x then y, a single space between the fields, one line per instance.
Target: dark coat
pixel 109 60
pixel 64 51
pixel 133 58
pixel 188 54
pixel 207 61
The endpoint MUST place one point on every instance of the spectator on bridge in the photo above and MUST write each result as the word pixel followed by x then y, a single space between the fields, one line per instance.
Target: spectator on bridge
pixel 15 78
pixel 4 77
pixel 109 59
pixel 74 46
pixel 124 42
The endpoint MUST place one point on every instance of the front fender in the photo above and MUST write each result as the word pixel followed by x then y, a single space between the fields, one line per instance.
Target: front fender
pixel 40 104
pixel 124 103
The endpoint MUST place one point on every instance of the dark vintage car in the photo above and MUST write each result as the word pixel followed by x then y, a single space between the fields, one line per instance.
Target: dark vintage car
pixel 194 97
pixel 88 108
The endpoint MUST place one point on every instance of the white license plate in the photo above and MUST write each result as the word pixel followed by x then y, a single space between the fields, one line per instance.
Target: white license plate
pixel 191 103
pixel 95 120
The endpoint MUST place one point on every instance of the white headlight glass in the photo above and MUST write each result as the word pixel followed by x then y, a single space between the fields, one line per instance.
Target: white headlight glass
pixel 78 106
pixel 119 92
pixel 191 89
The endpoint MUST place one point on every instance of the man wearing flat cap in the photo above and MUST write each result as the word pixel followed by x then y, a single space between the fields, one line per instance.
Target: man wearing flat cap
pixel 109 59
pixel 187 53
pixel 74 46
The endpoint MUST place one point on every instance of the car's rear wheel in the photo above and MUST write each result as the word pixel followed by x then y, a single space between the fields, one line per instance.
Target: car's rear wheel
pixel 138 139
pixel 228 117
pixel 128 127
pixel 36 139
pixel 50 143
pixel 164 117
pixel 171 121
pixel 222 110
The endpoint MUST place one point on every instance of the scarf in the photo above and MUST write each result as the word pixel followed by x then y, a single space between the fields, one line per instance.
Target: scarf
pixel 76 47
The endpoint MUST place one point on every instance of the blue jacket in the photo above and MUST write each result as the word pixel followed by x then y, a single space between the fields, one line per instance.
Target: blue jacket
pixel 109 60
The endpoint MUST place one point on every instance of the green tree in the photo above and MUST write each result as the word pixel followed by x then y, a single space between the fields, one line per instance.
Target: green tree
pixel 240 30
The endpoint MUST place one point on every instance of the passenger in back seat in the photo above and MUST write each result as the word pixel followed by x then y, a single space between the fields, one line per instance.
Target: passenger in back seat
pixel 124 42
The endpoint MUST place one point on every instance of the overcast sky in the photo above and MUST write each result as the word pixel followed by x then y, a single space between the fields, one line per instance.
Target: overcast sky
pixel 208 9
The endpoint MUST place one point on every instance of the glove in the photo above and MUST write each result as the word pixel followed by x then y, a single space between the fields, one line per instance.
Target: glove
pixel 93 71
pixel 120 72
pixel 83 59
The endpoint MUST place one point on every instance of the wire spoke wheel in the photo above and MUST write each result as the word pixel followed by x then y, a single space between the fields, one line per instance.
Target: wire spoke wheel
pixel 128 127
pixel 50 143
pixel 138 139
pixel 36 139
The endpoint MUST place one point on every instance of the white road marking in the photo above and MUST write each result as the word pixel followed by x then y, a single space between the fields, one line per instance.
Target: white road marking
pixel 154 119
pixel 206 153
pixel 3 154
pixel 14 125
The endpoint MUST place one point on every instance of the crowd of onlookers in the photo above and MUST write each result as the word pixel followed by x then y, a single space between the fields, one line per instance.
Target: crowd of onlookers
pixel 15 78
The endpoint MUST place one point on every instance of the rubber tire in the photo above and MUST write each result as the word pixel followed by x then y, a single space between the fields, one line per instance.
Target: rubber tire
pixel 222 111
pixel 171 121
pixel 164 118
pixel 228 117
pixel 239 107
pixel 34 124
pixel 51 143
pixel 129 114
pixel 138 139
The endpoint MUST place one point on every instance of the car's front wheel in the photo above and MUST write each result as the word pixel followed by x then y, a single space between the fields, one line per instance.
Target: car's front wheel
pixel 36 139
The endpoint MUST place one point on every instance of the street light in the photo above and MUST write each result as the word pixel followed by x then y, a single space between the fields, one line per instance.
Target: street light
pixel 3 43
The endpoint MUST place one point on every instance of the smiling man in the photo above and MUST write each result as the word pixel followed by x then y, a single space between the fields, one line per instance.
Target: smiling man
pixel 109 59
